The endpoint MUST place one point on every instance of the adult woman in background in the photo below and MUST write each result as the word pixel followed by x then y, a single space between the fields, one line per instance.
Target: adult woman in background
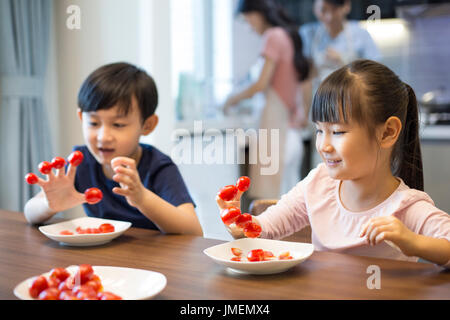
pixel 333 41
pixel 285 67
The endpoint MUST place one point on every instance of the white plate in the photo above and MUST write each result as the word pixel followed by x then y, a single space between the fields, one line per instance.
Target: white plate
pixel 52 231
pixel 130 284
pixel 222 254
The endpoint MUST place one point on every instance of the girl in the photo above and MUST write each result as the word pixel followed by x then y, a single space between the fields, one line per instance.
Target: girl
pixel 284 68
pixel 366 197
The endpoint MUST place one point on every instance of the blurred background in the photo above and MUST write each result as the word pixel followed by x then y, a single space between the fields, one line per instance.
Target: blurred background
pixel 198 51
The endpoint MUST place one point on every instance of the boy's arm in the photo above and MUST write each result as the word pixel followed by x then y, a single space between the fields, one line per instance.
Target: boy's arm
pixel 168 218
pixel 36 209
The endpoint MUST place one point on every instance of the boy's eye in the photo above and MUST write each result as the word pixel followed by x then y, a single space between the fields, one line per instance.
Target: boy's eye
pixel 119 125
pixel 92 123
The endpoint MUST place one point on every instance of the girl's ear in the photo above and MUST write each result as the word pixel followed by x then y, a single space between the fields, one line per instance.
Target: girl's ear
pixel 149 124
pixel 390 132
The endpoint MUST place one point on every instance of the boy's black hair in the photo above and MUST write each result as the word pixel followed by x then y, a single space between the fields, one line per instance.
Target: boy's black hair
pixel 116 84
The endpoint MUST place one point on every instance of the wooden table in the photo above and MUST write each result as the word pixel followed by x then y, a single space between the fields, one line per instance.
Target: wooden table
pixel 25 252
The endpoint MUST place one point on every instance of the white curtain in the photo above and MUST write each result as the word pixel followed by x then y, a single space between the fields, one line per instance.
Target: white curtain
pixel 24 129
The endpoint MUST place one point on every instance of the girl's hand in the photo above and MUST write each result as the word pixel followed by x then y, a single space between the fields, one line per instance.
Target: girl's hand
pixel 127 176
pixel 389 229
pixel 59 189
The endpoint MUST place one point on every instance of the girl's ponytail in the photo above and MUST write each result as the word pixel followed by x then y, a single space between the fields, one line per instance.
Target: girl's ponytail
pixel 410 167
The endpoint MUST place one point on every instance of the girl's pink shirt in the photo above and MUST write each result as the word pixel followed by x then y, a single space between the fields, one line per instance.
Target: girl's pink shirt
pixel 315 201
pixel 278 46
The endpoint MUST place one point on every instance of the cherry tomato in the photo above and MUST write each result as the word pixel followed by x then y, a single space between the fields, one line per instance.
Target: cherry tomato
pixel 93 195
pixel 59 273
pixel 58 162
pixel 236 251
pixel 243 183
pixel 85 293
pixel 95 283
pixel 67 295
pixel 84 273
pixel 31 178
pixel 45 167
pixel 268 255
pixel 255 255
pixel 243 220
pixel 49 294
pixel 68 284
pixel 76 158
pixel 66 233
pixel 230 215
pixel 227 193
pixel 106 228
pixel 80 230
pixel 53 282
pixel 108 296
pixel 285 256
pixel 38 285
pixel 236 259
pixel 252 230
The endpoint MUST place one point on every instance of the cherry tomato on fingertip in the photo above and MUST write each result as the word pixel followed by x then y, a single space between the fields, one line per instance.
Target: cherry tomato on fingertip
pixel 45 167
pixel 243 183
pixel 31 178
pixel 252 230
pixel 243 220
pixel 93 195
pixel 76 158
pixel 58 162
pixel 230 215
pixel 227 193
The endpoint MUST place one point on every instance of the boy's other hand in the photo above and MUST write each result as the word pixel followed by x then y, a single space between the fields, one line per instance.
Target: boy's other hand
pixel 127 176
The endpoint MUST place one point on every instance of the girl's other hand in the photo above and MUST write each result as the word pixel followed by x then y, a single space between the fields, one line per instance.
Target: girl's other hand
pixel 389 229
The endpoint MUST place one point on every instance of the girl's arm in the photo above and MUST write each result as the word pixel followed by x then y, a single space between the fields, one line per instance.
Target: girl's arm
pixel 260 85
pixel 436 250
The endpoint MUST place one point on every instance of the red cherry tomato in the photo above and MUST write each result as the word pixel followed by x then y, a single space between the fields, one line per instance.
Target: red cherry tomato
pixel 243 220
pixel 255 255
pixel 236 259
pixel 93 195
pixel 38 285
pixel 85 293
pixel 108 296
pixel 59 273
pixel 106 228
pixel 243 183
pixel 252 230
pixel 75 158
pixel 230 215
pixel 236 251
pixel 80 230
pixel 227 193
pixel 45 167
pixel 285 256
pixel 58 162
pixel 67 295
pixel 49 294
pixel 66 233
pixel 31 178
pixel 84 273
pixel 53 282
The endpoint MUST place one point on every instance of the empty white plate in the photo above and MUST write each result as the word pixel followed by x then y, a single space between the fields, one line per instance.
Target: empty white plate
pixel 128 283
pixel 222 254
pixel 52 231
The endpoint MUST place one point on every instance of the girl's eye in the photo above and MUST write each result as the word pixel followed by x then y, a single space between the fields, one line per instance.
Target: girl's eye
pixel 119 125
pixel 92 123
pixel 338 132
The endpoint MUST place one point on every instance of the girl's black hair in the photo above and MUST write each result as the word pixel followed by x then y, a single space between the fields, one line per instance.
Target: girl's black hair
pixel 116 84
pixel 276 16
pixel 369 93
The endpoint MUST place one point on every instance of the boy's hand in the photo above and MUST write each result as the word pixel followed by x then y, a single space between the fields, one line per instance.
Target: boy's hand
pixel 59 189
pixel 127 176
pixel 391 230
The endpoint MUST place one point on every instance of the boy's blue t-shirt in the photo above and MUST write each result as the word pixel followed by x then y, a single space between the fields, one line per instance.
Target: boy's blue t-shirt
pixel 158 173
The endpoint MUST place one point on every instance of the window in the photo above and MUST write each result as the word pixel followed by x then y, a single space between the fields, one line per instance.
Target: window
pixel 201 35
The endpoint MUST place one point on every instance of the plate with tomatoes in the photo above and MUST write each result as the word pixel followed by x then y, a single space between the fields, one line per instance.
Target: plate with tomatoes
pixel 86 282
pixel 260 256
pixel 85 231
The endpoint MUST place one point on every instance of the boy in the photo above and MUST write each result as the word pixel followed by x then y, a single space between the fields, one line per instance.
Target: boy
pixel 140 184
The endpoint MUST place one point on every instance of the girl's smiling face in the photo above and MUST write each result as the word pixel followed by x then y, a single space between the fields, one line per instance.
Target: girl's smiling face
pixel 346 149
